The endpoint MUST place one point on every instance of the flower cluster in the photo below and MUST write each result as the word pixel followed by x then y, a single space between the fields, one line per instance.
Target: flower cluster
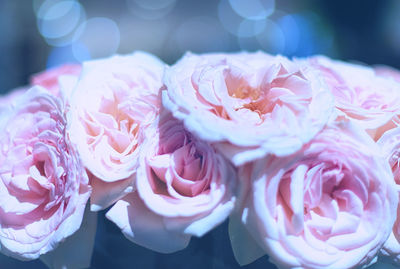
pixel 301 156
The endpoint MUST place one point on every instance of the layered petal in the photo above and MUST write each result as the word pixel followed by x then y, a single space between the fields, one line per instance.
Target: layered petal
pixel 43 185
pixel 390 145
pixel 367 96
pixel 331 205
pixel 183 188
pixel 248 105
pixel 107 130
pixel 49 79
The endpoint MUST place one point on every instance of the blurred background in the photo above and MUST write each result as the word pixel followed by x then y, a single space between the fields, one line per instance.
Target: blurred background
pixel 40 34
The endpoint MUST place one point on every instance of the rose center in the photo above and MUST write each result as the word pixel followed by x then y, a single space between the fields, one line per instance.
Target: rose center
pixel 114 122
pixel 331 197
pixel 181 169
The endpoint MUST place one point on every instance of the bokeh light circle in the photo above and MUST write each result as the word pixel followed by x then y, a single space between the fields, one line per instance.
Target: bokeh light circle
pixel 99 35
pixel 253 9
pixel 57 20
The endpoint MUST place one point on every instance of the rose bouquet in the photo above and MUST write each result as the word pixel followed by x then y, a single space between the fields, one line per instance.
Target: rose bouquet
pixel 301 156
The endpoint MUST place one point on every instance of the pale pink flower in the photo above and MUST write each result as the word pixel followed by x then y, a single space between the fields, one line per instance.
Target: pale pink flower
pixel 184 188
pixel 247 104
pixel 43 185
pixel 370 100
pixel 331 205
pixel 113 101
pixel 58 81
pixel 49 79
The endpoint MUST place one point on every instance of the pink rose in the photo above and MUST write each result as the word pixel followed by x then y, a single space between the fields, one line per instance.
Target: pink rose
pixel 370 100
pixel 247 104
pixel 390 144
pixel 184 188
pixel 58 81
pixel 49 79
pixel 113 101
pixel 43 185
pixel 331 205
